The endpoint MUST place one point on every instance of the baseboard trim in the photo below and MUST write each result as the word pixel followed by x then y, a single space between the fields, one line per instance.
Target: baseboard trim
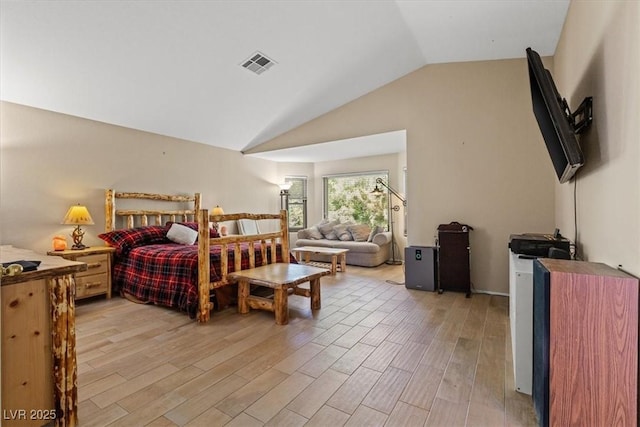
pixel 501 294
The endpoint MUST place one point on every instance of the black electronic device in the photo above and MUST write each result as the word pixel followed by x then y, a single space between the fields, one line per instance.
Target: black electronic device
pixel 538 245
pixel 557 123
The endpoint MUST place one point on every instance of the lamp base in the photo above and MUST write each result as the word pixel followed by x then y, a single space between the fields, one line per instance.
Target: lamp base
pixel 77 236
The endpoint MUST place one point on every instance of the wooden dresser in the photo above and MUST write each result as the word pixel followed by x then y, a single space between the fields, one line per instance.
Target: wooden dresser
pixel 96 280
pixel 39 374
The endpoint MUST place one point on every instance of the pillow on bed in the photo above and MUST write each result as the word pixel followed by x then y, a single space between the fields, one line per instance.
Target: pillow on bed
pixel 194 226
pixel 126 239
pixel 179 233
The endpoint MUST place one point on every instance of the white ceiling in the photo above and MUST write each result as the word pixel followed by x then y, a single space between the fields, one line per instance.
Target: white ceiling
pixel 173 67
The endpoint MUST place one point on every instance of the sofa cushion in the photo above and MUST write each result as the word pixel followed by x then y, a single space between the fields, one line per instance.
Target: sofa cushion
pixel 327 230
pixel 360 232
pixel 314 233
pixel 360 247
pixel 374 230
pixel 342 233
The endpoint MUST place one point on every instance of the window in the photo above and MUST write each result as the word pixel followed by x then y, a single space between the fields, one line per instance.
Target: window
pixel 348 198
pixel 297 202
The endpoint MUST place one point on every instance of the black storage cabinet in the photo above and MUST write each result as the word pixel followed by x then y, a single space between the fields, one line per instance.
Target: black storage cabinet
pixel 453 257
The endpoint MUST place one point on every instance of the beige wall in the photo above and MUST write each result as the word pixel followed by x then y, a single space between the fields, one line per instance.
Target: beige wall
pixel 50 161
pixel 474 154
pixel 599 55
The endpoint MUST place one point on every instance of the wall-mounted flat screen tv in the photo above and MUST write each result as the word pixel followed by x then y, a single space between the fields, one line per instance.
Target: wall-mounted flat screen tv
pixel 557 124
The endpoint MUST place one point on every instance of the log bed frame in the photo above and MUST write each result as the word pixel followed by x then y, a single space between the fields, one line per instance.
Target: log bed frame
pixel 202 216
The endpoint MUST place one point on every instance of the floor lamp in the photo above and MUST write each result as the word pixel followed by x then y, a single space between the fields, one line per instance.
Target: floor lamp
pixel 392 208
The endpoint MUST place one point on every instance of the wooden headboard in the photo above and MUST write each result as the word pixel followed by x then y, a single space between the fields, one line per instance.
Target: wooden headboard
pixel 141 217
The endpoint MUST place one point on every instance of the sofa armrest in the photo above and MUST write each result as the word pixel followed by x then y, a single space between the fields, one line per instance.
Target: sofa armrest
pixel 381 239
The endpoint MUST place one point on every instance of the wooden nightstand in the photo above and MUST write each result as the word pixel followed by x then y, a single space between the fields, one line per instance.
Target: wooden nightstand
pixel 96 280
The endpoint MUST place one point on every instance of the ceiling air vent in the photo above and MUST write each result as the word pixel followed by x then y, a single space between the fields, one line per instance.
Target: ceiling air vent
pixel 258 63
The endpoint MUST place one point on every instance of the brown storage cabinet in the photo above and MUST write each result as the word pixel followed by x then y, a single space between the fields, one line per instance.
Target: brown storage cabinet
pixel 453 257
pixel 585 344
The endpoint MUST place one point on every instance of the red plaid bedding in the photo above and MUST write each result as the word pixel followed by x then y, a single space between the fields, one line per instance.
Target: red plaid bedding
pixel 167 274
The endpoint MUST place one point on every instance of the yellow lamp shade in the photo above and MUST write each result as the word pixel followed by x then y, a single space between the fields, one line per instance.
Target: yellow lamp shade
pixel 78 215
pixel 217 210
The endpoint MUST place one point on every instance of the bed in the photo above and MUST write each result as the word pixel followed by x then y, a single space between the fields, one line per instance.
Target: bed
pixel 151 268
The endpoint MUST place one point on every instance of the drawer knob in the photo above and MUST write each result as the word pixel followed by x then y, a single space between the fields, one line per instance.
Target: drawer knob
pixel 94 265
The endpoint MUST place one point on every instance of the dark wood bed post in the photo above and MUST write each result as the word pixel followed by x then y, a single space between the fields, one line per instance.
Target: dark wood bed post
pixel 204 279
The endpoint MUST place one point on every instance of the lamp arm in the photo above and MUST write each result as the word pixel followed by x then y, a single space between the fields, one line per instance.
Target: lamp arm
pixel 393 191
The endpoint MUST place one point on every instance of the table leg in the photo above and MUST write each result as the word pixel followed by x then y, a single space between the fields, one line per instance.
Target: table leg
pixel 334 264
pixel 343 262
pixel 281 305
pixel 243 296
pixel 314 287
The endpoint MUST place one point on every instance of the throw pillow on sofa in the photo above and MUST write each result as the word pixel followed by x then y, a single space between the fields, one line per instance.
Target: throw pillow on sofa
pixel 314 233
pixel 342 232
pixel 327 230
pixel 360 232
pixel 375 230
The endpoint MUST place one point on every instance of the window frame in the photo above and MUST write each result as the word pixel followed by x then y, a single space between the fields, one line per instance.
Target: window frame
pixel 298 201
pixel 383 173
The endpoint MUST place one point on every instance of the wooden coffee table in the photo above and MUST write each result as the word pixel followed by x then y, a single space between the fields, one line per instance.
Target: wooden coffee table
pixel 337 256
pixel 283 278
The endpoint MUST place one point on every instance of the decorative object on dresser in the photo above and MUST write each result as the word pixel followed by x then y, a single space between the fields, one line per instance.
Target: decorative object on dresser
pixel 59 243
pixel 38 348
pixel 77 215
pixel 96 280
pixel 585 344
pixel 392 208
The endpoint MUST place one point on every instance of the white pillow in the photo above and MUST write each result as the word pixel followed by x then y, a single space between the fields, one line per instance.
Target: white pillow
pixel 248 226
pixel 182 234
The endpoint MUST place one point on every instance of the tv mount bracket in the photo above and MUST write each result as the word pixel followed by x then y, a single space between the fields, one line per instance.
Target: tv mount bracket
pixel 580 119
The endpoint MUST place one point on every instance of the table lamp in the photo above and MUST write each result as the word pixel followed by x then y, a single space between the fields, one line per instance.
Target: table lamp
pixel 216 212
pixel 77 215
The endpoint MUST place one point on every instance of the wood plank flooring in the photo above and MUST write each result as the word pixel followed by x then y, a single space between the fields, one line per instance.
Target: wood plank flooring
pixel 376 354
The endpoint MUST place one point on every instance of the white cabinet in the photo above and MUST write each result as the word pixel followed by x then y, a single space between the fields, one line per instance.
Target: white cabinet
pixel 521 319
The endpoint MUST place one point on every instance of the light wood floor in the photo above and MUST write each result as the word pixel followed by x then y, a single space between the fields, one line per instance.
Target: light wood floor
pixel 375 354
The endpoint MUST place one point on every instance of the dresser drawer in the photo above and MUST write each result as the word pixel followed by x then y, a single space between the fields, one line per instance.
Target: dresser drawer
pixel 96 264
pixel 94 284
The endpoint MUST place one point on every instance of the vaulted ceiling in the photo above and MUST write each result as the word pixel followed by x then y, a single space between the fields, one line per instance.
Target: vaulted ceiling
pixel 174 67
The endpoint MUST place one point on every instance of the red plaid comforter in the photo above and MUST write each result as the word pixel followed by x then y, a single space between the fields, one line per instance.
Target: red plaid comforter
pixel 167 274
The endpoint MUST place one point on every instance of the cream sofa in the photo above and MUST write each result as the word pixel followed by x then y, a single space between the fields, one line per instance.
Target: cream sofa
pixel 366 248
